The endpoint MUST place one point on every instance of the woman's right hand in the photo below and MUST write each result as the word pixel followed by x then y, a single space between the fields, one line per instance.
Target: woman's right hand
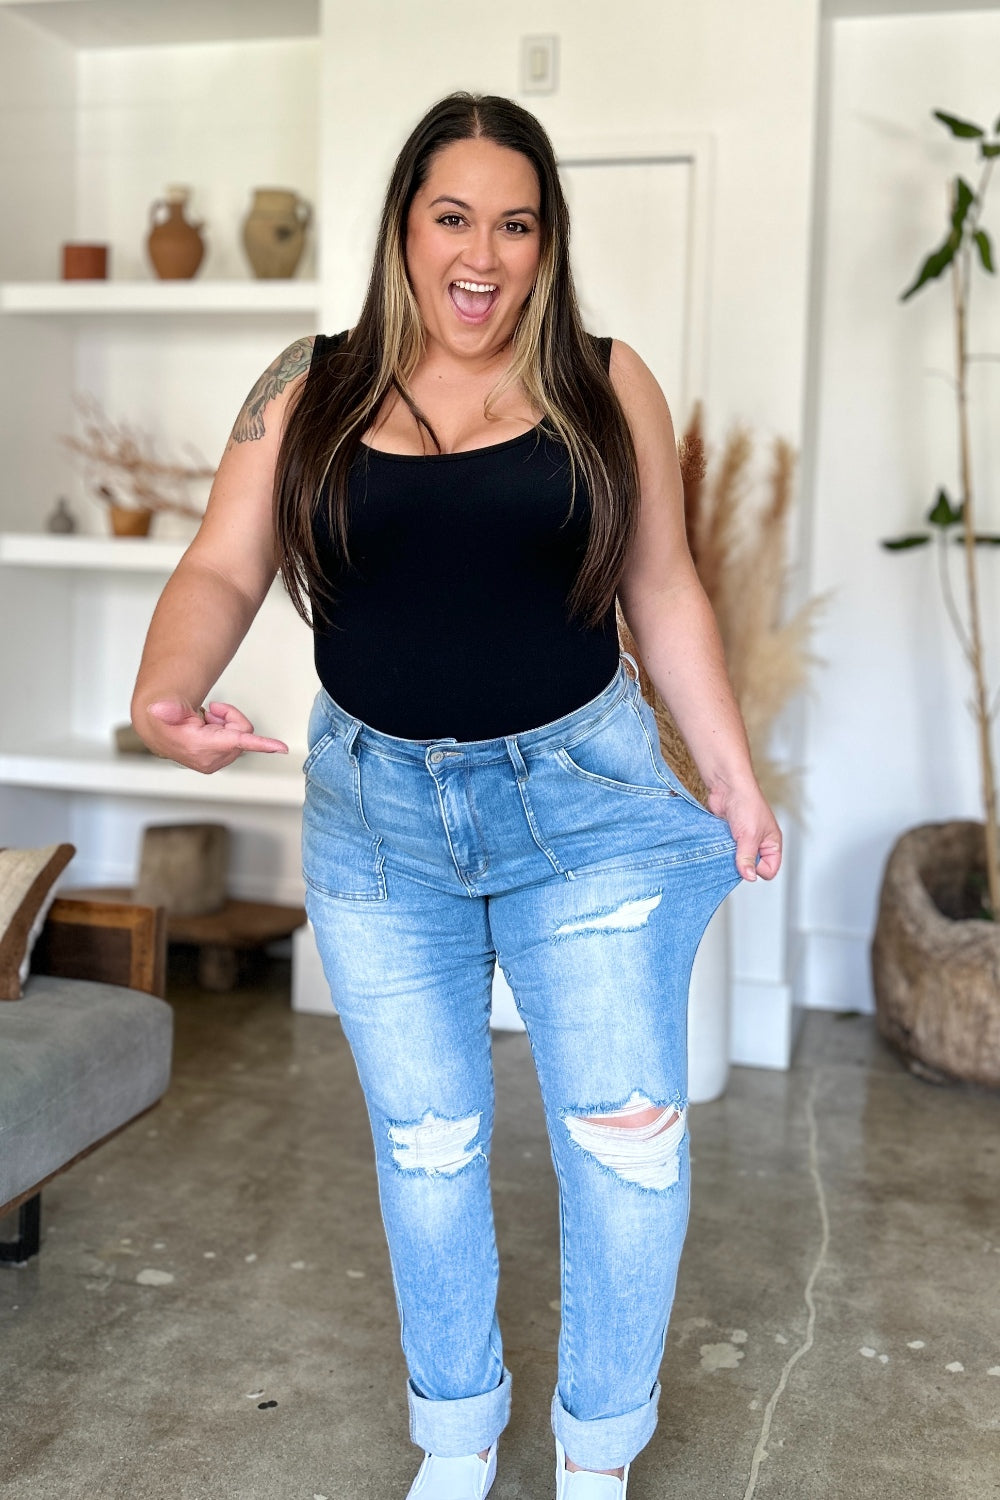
pixel 204 739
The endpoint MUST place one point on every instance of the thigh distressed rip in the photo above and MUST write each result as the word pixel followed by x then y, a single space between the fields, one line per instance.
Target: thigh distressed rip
pixel 626 917
pixel 646 1153
pixel 435 1145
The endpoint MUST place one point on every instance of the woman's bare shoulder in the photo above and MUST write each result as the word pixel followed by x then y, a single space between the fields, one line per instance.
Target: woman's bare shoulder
pixel 636 387
pixel 274 386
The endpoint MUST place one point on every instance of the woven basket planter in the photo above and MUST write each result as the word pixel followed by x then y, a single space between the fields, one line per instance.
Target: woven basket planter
pixel 937 971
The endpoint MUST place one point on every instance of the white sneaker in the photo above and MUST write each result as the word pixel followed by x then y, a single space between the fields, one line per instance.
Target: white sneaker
pixel 581 1484
pixel 454 1478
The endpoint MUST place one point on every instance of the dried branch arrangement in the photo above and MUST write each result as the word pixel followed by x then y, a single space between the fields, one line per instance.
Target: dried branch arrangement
pixel 739 545
pixel 123 470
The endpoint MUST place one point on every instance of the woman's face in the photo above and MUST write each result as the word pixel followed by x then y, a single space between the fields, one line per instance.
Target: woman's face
pixel 473 241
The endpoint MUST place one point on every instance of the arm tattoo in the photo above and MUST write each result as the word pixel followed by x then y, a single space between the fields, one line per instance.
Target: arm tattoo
pixel 292 363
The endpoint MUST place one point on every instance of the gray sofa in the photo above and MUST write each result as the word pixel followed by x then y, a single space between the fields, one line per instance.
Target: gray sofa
pixel 83 1053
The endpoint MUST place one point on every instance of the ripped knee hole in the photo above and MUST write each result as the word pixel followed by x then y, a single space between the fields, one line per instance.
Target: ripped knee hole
pixel 436 1145
pixel 640 1142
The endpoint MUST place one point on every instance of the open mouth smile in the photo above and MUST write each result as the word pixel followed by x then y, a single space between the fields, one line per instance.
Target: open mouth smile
pixel 473 301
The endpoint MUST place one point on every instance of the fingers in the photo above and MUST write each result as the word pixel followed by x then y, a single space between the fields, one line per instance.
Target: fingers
pixel 262 744
pixel 758 838
pixel 230 716
pixel 758 857
pixel 203 739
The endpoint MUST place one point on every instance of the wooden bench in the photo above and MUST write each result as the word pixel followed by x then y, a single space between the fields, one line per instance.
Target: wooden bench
pixel 222 936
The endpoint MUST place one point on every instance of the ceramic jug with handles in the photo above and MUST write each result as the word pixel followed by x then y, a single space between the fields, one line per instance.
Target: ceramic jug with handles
pixel 274 232
pixel 174 243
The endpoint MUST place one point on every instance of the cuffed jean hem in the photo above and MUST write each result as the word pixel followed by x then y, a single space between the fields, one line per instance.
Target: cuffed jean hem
pixel 608 1442
pixel 454 1429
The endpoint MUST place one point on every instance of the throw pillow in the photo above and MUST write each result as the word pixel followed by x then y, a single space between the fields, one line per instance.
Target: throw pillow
pixel 27 890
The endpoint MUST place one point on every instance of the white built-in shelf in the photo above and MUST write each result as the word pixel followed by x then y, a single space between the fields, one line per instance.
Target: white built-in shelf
pixel 80 765
pixel 90 298
pixel 875 8
pixel 26 549
pixel 126 23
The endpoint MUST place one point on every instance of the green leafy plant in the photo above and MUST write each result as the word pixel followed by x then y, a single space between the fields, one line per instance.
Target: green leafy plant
pixel 966 245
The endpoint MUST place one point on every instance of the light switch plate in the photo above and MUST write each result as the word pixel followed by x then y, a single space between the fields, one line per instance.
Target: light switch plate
pixel 539 64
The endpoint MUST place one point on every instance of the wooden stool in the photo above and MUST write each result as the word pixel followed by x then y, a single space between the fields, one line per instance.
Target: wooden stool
pixel 183 866
pixel 222 935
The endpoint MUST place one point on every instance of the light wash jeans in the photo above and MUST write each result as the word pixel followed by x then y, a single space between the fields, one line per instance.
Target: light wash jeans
pixel 573 854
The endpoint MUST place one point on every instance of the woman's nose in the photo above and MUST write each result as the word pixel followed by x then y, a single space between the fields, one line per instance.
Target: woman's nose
pixel 480 250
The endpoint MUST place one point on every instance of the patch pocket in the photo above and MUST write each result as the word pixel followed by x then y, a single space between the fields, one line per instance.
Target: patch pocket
pixel 617 755
pixel 341 855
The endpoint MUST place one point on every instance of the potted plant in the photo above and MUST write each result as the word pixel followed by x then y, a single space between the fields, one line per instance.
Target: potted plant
pixel 125 475
pixel 936 950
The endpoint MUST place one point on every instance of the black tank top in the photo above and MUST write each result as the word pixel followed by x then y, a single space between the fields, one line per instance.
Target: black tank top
pixel 451 621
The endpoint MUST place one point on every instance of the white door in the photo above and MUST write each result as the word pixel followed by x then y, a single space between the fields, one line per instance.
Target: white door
pixel 631 247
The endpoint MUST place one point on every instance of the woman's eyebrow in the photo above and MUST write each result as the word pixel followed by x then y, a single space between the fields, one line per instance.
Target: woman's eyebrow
pixel 507 213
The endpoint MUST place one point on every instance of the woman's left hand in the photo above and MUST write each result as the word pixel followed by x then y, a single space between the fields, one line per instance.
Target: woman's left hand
pixel 753 826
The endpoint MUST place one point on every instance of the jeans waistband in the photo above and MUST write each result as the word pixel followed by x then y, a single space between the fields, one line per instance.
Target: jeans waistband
pixel 564 731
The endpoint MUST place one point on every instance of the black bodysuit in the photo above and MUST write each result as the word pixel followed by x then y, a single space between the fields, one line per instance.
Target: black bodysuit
pixel 451 621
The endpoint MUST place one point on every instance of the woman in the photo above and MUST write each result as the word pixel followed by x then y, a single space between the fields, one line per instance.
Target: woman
pixel 459 489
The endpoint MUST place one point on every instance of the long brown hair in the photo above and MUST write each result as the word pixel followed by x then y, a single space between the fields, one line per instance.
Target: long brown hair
pixel 554 362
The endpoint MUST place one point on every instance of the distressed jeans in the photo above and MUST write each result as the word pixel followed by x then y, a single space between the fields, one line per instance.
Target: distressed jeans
pixel 573 856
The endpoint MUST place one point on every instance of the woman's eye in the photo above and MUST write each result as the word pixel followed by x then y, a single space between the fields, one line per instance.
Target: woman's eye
pixel 450 220
pixel 517 227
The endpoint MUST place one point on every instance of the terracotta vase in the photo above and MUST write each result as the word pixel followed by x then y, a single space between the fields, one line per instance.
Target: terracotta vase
pixel 274 232
pixel 127 521
pixel 174 242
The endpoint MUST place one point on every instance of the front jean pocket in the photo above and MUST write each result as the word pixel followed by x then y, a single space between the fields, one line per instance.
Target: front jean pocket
pixel 666 773
pixel 619 755
pixel 320 734
pixel 341 855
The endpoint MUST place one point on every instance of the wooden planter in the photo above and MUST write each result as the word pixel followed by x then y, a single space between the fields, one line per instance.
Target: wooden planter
pixel 937 971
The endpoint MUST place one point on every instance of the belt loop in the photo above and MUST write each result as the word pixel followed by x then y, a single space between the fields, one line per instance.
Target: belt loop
pixel 517 759
pixel 350 739
pixel 627 656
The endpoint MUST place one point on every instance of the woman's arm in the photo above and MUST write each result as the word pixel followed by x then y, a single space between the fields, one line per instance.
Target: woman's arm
pixel 218 586
pixel 668 613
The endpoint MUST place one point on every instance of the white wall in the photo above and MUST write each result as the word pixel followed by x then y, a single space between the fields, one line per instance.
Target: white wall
pixel 889 742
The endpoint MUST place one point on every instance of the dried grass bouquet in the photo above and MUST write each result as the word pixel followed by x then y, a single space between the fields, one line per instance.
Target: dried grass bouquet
pixel 122 468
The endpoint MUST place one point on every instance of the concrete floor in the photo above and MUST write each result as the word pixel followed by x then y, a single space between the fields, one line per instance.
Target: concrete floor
pixel 227 1252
